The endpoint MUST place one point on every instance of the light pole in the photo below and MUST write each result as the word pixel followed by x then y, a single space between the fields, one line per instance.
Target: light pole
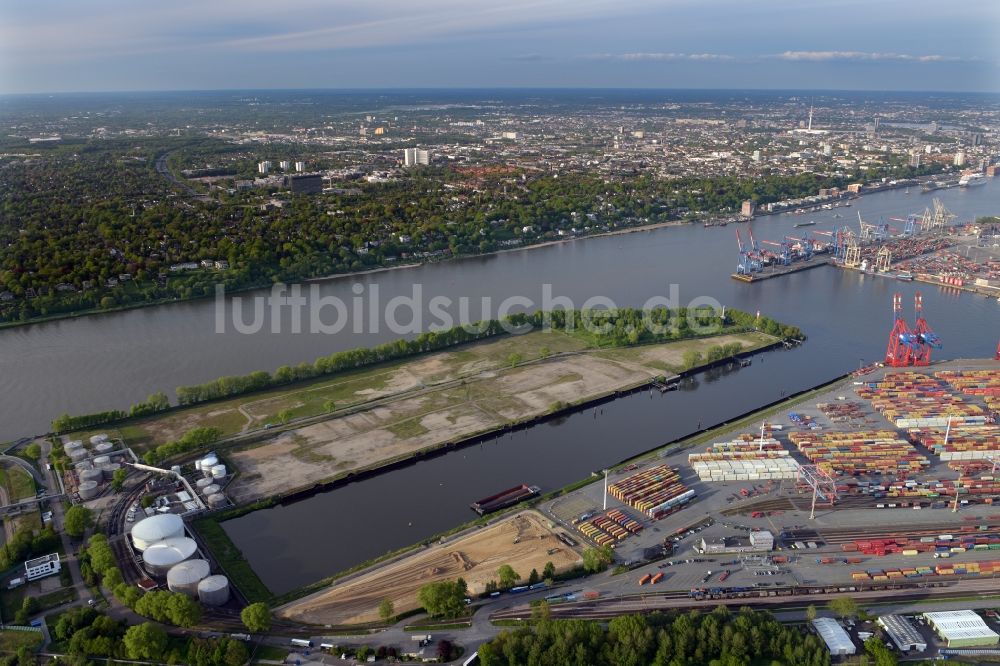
pixel 605 489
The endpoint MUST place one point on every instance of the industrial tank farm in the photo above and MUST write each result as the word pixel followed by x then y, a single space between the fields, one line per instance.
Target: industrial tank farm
pixel 154 529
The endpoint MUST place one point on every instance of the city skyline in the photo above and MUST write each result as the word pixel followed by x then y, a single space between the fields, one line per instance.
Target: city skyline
pixel 845 45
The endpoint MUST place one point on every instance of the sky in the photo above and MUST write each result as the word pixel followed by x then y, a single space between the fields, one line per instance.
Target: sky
pixel 124 45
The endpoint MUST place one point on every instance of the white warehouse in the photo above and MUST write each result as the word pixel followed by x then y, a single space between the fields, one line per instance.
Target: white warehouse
pixel 834 636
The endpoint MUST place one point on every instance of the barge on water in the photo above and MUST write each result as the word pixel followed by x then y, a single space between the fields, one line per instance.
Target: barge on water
pixel 504 499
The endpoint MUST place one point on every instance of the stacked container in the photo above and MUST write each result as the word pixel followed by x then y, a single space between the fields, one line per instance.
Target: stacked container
pixel 916 400
pixel 864 452
pixel 965 442
pixel 655 492
pixel 744 459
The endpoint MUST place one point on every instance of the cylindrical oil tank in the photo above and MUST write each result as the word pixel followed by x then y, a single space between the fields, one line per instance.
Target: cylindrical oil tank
pixel 201 483
pixel 78 454
pixel 109 470
pixel 213 591
pixel 216 500
pixel 94 475
pixel 164 555
pixel 184 577
pixel 88 490
pixel 218 471
pixel 101 461
pixel 104 447
pixel 86 464
pixel 209 461
pixel 97 439
pixel 72 444
pixel 211 490
pixel 156 528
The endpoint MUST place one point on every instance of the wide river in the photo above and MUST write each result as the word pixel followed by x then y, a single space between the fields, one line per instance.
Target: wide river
pixel 108 361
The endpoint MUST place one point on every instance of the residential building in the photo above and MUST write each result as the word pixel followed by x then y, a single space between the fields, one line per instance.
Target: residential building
pixel 40 567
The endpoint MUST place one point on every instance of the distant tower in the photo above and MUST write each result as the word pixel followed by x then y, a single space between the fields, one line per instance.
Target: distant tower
pixel 810 126
pixel 876 123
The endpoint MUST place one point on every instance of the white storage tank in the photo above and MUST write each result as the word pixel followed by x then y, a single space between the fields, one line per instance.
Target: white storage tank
pixel 88 490
pixel 109 470
pixel 104 447
pixel 213 591
pixel 98 439
pixel 164 555
pixel 201 483
pixel 211 490
pixel 216 500
pixel 71 445
pixel 218 471
pixel 184 577
pixel 156 528
pixel 94 475
pixel 101 461
pixel 78 454
pixel 208 462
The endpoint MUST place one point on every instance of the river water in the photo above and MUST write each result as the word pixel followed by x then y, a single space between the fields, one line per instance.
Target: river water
pixel 108 361
pixel 112 360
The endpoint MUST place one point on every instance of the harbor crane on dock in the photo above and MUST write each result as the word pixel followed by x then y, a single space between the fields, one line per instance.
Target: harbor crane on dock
pixel 749 261
pixel 805 243
pixel 898 353
pixel 785 256
pixel 822 484
pixel 926 340
pixel 910 224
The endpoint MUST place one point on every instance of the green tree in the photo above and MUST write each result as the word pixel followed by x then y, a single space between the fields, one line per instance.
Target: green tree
pixel 844 607
pixel 386 609
pixel 508 577
pixel 443 598
pixel 882 655
pixel 77 520
pixel 692 358
pixel 549 572
pixel 810 612
pixel 597 559
pixel 118 479
pixel 533 577
pixel 33 451
pixel 514 359
pixel 256 617
pixel 145 641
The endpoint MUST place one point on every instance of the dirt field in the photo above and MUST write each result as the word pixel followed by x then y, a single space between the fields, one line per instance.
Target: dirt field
pixel 456 410
pixel 475 558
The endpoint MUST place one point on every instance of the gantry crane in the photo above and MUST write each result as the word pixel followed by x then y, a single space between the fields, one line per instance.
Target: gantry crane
pixel 898 353
pixel 749 263
pixel 926 340
pixel 785 256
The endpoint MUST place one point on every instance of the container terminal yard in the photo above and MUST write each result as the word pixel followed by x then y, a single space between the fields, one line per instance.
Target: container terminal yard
pixel 897 465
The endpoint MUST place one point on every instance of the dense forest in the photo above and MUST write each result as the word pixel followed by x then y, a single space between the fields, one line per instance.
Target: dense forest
pixel 93 225
pixel 719 638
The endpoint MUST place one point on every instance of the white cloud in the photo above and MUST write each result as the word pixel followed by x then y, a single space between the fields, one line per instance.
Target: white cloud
pixel 827 56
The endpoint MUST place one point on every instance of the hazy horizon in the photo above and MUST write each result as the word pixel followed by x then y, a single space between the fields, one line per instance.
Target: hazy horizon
pixel 115 46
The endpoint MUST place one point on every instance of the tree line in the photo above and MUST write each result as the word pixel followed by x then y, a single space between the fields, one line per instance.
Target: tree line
pixel 718 638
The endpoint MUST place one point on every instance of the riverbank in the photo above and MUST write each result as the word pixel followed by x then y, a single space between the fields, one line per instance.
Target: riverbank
pixel 423 416
pixel 369 570
pixel 398 266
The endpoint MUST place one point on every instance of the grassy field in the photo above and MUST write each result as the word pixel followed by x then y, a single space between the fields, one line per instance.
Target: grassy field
pixel 11 600
pixel 344 390
pixel 16 482
pixel 11 641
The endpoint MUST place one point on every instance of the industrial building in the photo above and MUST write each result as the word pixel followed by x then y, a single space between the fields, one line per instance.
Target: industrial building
pixel 305 184
pixel 40 567
pixel 757 542
pixel 161 556
pixel 903 633
pixel 962 628
pixel 836 639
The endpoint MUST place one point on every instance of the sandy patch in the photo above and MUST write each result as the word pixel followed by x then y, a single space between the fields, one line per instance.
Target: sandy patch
pixel 475 558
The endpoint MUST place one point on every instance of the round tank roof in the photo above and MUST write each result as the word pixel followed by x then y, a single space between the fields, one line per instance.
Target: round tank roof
pixel 213 583
pixel 157 528
pixel 169 552
pixel 188 573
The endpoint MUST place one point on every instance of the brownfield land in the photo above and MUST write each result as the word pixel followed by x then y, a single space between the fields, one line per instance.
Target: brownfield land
pixel 524 541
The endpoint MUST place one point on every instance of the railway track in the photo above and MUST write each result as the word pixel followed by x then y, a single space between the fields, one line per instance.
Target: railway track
pixel 769 599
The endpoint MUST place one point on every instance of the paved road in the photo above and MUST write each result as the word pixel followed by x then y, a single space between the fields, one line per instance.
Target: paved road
pixel 58 513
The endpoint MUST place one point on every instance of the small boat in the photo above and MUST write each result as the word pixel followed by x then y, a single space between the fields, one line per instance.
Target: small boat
pixel 905 276
pixel 805 224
